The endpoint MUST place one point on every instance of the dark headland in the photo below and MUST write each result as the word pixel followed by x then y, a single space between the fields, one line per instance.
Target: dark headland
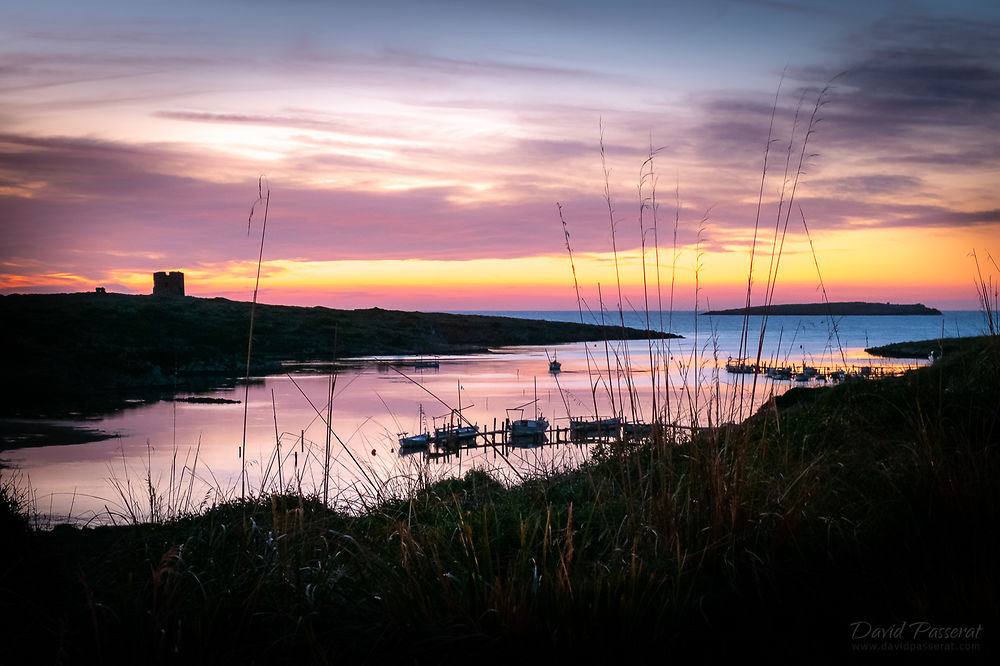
pixel 853 308
pixel 71 347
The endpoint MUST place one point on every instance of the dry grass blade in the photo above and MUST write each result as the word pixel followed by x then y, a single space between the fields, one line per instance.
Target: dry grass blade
pixel 266 200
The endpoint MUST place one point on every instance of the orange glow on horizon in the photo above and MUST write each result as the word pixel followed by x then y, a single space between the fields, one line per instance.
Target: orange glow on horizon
pixel 886 267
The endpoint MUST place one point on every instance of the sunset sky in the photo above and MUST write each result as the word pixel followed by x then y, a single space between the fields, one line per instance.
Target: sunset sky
pixel 415 151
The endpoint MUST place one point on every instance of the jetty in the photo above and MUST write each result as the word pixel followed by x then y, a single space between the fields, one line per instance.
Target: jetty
pixel 503 436
pixel 458 434
pixel 805 373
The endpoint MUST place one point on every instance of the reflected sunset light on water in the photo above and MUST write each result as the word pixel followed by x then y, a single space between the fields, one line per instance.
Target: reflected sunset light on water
pixel 375 400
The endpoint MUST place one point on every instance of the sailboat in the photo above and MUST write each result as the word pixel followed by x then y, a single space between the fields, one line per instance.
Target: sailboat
pixel 533 430
pixel 452 434
pixel 528 431
pixel 419 441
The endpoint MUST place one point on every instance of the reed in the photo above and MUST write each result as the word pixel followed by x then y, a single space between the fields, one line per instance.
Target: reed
pixel 624 359
pixel 264 199
pixel 988 294
pixel 143 496
pixel 579 305
pixel 15 502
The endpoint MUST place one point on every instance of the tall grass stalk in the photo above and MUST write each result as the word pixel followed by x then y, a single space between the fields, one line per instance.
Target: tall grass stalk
pixel 264 198
pixel 674 255
pixel 150 501
pixel 618 280
pixel 987 292
pixel 607 358
pixel 660 415
pixel 647 177
pixel 744 335
pixel 698 266
pixel 17 512
pixel 784 207
pixel 822 285
pixel 579 306
pixel 329 433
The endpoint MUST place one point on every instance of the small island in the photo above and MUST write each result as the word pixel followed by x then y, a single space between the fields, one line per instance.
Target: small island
pixel 851 308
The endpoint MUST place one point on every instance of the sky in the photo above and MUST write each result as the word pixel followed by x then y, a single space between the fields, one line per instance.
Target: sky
pixel 516 155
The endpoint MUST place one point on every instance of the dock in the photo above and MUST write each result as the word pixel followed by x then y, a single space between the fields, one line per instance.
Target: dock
pixel 805 373
pixel 452 440
pixel 498 436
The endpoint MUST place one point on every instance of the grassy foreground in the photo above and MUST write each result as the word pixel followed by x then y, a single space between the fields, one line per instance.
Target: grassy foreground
pixel 872 504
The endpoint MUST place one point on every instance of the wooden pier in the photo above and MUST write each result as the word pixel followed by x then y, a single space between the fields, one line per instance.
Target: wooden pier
pixel 499 437
pixel 805 372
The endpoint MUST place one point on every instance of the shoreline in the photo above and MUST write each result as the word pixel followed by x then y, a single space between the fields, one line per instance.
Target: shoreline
pixel 93 352
pixel 924 348
pixel 25 433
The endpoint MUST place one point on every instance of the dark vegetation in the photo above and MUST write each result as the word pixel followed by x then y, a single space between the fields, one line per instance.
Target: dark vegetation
pixel 91 351
pixel 874 501
pixel 924 348
pixel 853 308
pixel 17 434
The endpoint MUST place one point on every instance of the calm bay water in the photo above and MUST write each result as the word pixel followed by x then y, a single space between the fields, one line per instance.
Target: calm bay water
pixel 189 453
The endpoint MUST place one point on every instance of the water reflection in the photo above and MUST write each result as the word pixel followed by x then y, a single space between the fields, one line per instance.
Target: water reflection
pixel 189 453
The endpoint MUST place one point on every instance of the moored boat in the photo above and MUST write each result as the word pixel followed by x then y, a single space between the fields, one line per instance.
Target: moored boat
pixel 779 373
pixel 414 442
pixel 419 441
pixel 610 427
pixel 637 430
pixel 528 431
pixel 454 436
pixel 739 368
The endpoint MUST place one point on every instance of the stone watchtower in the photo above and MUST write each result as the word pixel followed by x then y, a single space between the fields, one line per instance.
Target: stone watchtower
pixel 168 284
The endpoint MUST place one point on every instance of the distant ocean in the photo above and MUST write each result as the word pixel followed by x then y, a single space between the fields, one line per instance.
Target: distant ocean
pixel 794 335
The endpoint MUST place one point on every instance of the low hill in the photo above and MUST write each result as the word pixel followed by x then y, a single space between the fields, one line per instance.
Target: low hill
pixel 853 308
pixel 55 347
pixel 923 348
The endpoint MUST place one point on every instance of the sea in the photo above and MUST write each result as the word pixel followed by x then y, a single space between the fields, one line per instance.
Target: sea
pixel 173 457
